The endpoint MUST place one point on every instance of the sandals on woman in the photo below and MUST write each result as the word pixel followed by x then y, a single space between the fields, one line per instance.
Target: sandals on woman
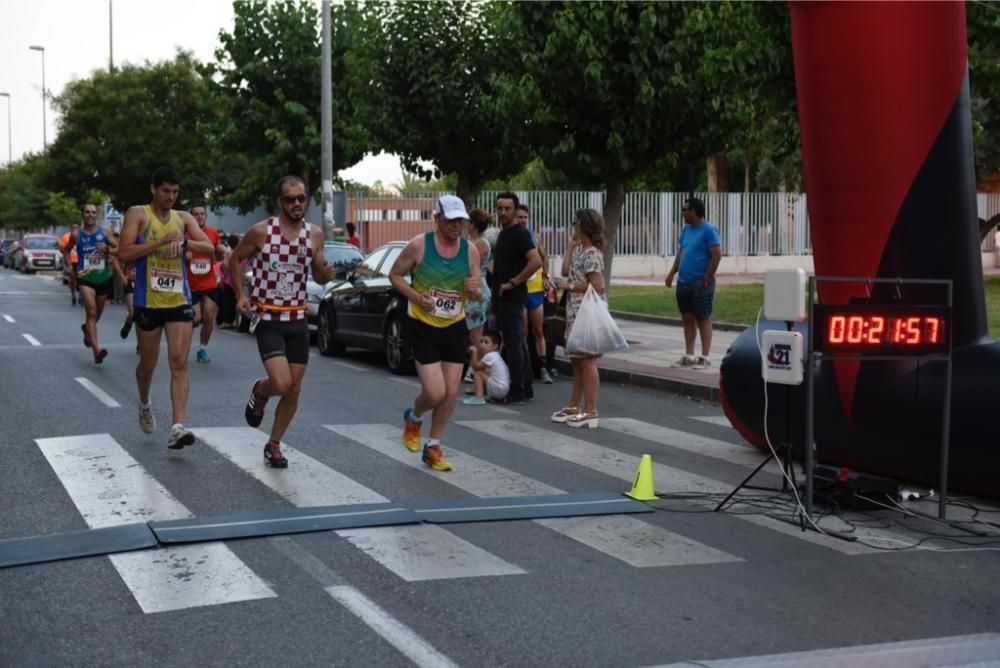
pixel 583 420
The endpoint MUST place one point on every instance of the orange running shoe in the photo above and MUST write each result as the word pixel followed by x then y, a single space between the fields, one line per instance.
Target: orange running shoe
pixel 411 431
pixel 434 457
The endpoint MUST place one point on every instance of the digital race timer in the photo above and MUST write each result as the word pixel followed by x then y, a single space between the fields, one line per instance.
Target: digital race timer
pixel 881 329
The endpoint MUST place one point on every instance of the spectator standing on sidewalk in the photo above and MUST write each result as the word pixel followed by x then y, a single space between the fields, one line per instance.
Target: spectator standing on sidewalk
pixel 515 259
pixel 534 315
pixel 583 265
pixel 477 310
pixel 698 255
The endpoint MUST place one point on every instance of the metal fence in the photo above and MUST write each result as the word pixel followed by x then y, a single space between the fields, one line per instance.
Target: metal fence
pixel 749 223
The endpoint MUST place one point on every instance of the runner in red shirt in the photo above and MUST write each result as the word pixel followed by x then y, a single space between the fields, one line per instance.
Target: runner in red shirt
pixel 204 282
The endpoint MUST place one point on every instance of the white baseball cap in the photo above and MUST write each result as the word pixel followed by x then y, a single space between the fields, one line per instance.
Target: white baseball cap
pixel 451 207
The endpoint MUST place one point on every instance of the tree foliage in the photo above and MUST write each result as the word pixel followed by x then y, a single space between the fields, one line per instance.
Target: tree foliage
pixel 613 89
pixel 27 206
pixel 116 128
pixel 421 78
pixel 268 76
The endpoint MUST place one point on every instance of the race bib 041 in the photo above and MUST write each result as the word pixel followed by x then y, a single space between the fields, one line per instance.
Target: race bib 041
pixel 163 280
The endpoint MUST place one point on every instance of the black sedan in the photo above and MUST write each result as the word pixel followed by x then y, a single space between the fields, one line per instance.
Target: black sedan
pixel 367 312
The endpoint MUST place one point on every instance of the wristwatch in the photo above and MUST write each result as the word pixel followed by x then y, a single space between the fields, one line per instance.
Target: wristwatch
pixel 513 282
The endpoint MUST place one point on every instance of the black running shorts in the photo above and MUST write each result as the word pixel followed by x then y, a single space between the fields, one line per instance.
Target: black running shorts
pixel 102 289
pixel 212 294
pixel 283 339
pixel 149 319
pixel 438 344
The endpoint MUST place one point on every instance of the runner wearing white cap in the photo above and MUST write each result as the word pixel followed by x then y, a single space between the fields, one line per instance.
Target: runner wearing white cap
pixel 445 270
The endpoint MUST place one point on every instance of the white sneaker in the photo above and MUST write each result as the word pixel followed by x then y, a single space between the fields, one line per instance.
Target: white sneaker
pixel 704 361
pixel 469 376
pixel 545 377
pixel 179 437
pixel 147 421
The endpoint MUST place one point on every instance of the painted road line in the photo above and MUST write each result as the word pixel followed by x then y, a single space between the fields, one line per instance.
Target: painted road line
pixel 685 440
pixel 393 631
pixel 352 367
pixel 413 552
pixel 412 646
pixel 110 488
pixel 101 395
pixel 32 340
pixel 720 420
pixel 623 466
pixel 405 381
pixel 8 318
pixel 628 539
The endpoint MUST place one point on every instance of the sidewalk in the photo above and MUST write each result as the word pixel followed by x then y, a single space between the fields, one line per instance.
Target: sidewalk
pixel 655 344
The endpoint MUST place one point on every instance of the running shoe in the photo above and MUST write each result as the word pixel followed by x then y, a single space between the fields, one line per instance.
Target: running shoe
pixel 86 339
pixel 273 456
pixel 203 356
pixel 470 376
pixel 254 411
pixel 411 431
pixel 147 421
pixel 434 457
pixel 99 355
pixel 545 378
pixel 583 421
pixel 179 437
pixel 126 328
pixel 474 401
pixel 564 414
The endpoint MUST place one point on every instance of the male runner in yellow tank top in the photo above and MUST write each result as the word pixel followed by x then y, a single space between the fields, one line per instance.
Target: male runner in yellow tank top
pixel 153 236
pixel 445 270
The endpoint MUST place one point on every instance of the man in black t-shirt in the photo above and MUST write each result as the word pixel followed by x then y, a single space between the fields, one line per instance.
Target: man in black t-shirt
pixel 515 259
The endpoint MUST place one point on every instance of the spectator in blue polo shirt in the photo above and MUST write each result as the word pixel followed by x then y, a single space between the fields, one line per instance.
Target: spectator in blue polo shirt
pixel 698 256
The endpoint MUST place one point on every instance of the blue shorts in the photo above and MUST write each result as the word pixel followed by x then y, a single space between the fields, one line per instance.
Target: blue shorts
pixel 696 298
pixel 534 300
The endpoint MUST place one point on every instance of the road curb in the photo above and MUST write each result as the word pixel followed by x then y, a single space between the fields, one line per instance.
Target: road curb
pixel 681 388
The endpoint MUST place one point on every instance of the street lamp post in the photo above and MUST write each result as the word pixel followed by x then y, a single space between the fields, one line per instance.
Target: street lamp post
pixel 45 131
pixel 10 151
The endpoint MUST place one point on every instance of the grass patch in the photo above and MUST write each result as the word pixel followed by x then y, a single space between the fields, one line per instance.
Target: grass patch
pixel 738 304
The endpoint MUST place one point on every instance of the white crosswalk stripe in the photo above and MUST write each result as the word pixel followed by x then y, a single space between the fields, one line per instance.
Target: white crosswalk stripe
pixel 623 466
pixel 685 440
pixel 111 488
pixel 413 552
pixel 720 420
pixel 620 536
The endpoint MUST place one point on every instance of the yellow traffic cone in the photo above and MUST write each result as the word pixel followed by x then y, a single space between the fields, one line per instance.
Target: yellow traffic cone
pixel 643 488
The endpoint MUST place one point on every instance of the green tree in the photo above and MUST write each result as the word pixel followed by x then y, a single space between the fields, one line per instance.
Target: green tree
pixel 422 81
pixel 268 74
pixel 614 88
pixel 24 204
pixel 983 19
pixel 116 128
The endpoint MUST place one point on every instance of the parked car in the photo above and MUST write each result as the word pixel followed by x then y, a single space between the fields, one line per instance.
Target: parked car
pixel 367 312
pixel 39 251
pixel 12 255
pixel 5 245
pixel 345 258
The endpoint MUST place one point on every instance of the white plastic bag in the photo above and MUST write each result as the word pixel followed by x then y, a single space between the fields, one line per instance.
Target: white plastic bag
pixel 594 330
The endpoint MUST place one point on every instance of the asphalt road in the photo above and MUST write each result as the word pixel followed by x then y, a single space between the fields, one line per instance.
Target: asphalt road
pixel 675 585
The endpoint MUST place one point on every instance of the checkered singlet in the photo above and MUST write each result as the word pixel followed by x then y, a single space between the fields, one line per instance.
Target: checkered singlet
pixel 279 282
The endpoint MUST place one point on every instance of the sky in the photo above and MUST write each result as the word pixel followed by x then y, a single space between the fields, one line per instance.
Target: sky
pixel 75 36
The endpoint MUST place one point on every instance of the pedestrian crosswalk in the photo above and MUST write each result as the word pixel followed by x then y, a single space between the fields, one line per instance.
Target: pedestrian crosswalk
pixel 110 487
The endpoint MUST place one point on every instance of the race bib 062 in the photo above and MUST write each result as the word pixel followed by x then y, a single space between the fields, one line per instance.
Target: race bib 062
pixel 447 303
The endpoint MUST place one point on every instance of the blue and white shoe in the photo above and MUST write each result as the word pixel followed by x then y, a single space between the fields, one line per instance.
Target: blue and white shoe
pixel 203 355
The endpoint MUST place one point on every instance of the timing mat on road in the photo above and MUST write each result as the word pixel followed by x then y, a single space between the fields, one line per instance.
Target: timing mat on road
pixel 125 538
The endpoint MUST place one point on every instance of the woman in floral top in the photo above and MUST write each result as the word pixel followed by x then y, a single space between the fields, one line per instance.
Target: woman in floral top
pixel 583 263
